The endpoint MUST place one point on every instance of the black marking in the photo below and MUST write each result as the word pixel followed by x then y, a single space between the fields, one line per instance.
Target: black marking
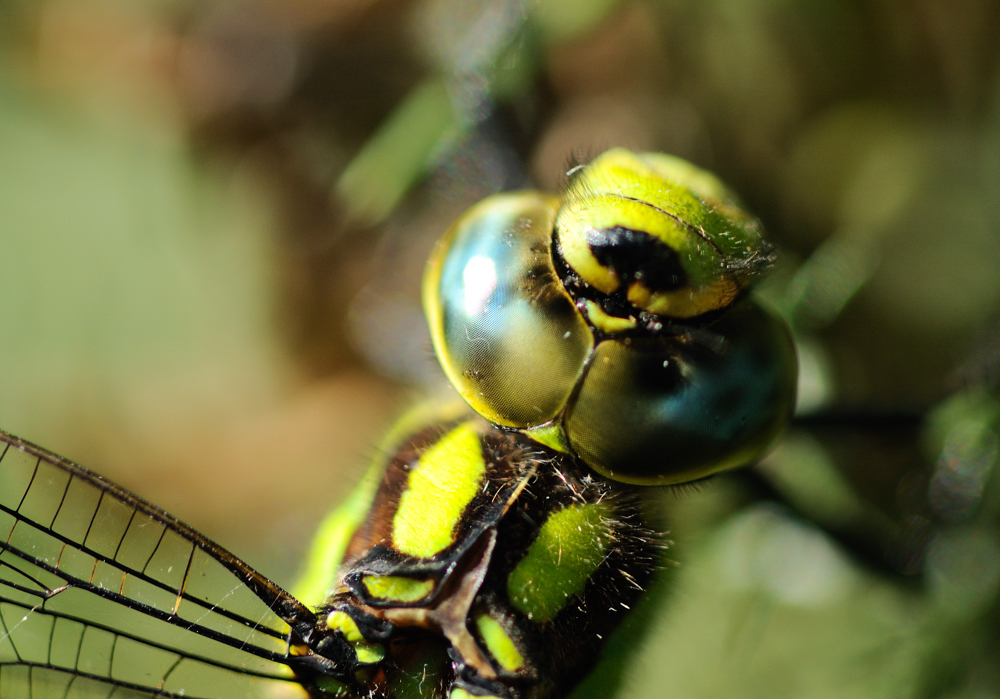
pixel 617 305
pixel 637 256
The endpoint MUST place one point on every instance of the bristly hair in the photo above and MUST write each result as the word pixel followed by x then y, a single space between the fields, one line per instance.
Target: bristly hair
pixel 757 264
pixel 576 161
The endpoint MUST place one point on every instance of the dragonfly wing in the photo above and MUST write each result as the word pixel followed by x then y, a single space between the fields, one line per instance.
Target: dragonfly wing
pixel 105 595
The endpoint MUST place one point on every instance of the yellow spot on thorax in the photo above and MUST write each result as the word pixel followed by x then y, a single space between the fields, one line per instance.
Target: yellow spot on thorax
pixel 397 588
pixel 343 623
pixel 499 643
pixel 570 546
pixel 439 489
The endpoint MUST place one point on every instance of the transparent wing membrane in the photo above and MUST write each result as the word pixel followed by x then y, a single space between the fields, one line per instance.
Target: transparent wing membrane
pixel 104 595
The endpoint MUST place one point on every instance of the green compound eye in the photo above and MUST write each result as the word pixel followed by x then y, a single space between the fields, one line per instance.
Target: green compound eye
pixel 614 322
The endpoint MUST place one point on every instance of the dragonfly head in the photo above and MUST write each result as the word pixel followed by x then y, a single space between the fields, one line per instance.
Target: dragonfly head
pixel 616 322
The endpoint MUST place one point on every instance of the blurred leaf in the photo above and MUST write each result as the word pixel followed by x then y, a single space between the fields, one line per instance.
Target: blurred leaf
pixel 398 155
pixel 128 271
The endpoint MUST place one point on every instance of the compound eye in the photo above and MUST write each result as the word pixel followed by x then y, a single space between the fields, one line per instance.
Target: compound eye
pixel 659 411
pixel 655 234
pixel 508 335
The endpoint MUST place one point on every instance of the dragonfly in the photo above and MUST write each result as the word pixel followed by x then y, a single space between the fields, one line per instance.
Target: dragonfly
pixel 604 341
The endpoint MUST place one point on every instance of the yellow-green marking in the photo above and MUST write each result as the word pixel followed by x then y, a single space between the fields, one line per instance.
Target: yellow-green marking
pixel 499 643
pixel 439 489
pixel 568 549
pixel 397 588
pixel 348 628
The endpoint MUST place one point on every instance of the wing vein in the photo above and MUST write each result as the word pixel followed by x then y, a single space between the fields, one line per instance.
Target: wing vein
pixel 80 583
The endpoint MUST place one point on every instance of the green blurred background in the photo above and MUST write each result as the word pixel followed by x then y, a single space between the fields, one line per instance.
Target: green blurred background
pixel 214 216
